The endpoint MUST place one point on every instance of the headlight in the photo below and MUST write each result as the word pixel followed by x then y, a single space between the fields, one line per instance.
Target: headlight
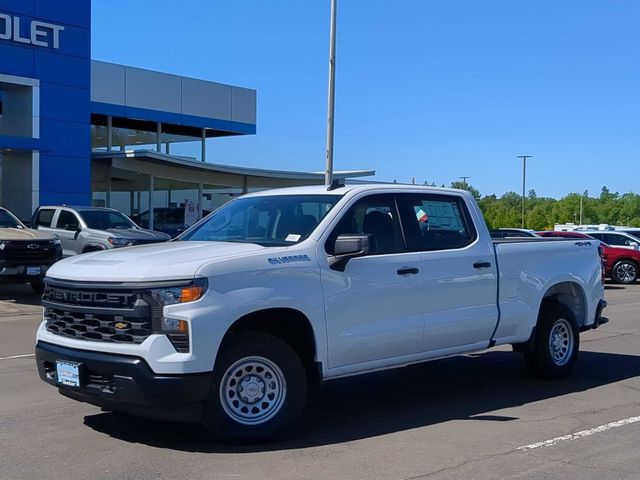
pixel 118 242
pixel 181 294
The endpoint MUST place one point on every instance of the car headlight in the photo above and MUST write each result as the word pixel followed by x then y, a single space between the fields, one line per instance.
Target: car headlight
pixel 180 294
pixel 118 242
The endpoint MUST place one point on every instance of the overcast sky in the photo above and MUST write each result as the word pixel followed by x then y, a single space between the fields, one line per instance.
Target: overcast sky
pixel 431 89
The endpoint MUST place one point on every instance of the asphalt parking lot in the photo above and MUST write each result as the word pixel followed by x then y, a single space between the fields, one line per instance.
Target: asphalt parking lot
pixel 477 416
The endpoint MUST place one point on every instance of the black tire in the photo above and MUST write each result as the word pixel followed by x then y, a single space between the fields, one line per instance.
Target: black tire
pixel 271 410
pixel 37 286
pixel 554 361
pixel 625 272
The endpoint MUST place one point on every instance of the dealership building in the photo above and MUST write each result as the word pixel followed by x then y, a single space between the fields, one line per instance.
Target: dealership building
pixel 78 131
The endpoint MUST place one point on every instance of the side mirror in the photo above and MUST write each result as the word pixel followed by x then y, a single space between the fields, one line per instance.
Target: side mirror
pixel 72 228
pixel 348 247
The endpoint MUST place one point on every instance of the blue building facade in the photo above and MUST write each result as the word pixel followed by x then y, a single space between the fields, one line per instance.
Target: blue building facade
pixel 45 51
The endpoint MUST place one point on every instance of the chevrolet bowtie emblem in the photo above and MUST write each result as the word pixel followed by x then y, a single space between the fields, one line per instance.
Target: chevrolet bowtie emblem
pixel 120 325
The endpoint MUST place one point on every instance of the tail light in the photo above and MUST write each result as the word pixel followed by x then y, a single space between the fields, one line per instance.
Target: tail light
pixel 603 259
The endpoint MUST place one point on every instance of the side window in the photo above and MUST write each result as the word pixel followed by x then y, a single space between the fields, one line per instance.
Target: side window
pixel 435 222
pixel 612 239
pixel 375 215
pixel 67 221
pixel 44 218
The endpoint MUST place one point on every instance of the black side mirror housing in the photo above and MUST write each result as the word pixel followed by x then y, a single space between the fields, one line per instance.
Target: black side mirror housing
pixel 348 247
pixel 72 228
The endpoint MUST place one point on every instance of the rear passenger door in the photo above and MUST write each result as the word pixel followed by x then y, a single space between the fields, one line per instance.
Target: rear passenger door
pixel 67 227
pixel 458 271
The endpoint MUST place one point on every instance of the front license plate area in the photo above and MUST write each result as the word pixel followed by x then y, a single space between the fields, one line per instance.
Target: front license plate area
pixel 68 373
pixel 34 270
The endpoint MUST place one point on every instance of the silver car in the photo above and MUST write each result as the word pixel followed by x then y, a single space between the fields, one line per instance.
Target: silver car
pixel 87 229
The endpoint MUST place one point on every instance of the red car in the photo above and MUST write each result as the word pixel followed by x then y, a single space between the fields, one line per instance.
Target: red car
pixel 621 265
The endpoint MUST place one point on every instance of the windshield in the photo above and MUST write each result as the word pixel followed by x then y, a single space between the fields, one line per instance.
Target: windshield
pixel 9 221
pixel 106 220
pixel 275 220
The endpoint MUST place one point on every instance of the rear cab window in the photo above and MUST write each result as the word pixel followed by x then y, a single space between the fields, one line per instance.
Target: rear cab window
pixel 435 222
pixel 44 217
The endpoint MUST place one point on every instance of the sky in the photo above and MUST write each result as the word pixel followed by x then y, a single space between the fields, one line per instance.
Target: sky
pixel 425 89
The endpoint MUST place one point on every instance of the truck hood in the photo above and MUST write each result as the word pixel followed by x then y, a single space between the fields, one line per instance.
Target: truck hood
pixel 23 234
pixel 144 263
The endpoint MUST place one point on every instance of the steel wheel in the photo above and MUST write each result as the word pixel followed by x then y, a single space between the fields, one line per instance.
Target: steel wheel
pixel 253 390
pixel 625 272
pixel 561 342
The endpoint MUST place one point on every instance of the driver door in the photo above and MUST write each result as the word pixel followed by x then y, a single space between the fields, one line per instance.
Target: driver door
pixel 374 308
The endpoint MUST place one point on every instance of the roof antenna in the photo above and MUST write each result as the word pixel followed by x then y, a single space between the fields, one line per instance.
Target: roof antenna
pixel 336 183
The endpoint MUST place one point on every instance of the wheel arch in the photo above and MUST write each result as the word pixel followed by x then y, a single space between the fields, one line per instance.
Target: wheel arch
pixel 571 295
pixel 290 325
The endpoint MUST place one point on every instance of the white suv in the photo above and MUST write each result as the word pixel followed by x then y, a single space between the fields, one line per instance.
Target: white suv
pixel 616 239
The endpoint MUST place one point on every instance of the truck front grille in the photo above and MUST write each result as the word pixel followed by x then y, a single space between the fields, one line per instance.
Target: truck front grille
pixel 98 314
pixel 29 253
pixel 104 328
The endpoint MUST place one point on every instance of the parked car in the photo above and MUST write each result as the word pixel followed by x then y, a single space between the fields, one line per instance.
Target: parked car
pixel 169 220
pixel 632 231
pixel 512 233
pixel 621 265
pixel 88 229
pixel 25 254
pixel 232 323
pixel 615 238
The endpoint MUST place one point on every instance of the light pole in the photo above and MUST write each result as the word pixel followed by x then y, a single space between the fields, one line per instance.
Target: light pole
pixel 524 176
pixel 328 175
pixel 464 179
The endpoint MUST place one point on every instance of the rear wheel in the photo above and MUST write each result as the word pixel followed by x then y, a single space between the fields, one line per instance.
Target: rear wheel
pixel 556 343
pixel 625 271
pixel 259 388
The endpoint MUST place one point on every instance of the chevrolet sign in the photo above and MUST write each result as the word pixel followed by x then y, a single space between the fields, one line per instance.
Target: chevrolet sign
pixel 40 34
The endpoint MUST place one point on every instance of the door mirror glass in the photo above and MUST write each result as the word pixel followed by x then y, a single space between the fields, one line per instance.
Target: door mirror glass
pixel 348 247
pixel 71 227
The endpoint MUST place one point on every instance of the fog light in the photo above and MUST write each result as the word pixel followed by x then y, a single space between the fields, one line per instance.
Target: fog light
pixel 172 325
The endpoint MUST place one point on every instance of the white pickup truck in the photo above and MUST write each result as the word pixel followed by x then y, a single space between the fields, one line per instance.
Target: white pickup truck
pixel 235 321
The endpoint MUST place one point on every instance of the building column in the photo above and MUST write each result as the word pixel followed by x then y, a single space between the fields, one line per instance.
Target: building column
pixel 199 201
pixel 108 200
pixel 109 133
pixel 204 145
pixel 158 137
pixel 151 187
pixel 167 148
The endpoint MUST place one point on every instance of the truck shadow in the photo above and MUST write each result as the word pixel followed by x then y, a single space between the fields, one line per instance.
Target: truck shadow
pixel 459 388
pixel 20 295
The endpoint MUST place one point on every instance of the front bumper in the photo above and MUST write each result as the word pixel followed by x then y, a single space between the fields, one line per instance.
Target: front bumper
pixel 127 384
pixel 18 273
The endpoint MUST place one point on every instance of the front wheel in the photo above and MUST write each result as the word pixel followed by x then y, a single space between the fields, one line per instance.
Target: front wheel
pixel 259 388
pixel 625 272
pixel 557 342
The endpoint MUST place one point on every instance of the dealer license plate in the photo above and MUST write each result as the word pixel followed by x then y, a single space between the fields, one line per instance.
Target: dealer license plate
pixel 34 270
pixel 68 373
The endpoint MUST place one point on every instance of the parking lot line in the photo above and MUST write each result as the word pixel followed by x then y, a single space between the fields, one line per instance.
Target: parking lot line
pixel 18 356
pixel 581 434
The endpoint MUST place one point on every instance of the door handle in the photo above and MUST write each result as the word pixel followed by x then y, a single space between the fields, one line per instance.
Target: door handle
pixel 408 271
pixel 482 265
